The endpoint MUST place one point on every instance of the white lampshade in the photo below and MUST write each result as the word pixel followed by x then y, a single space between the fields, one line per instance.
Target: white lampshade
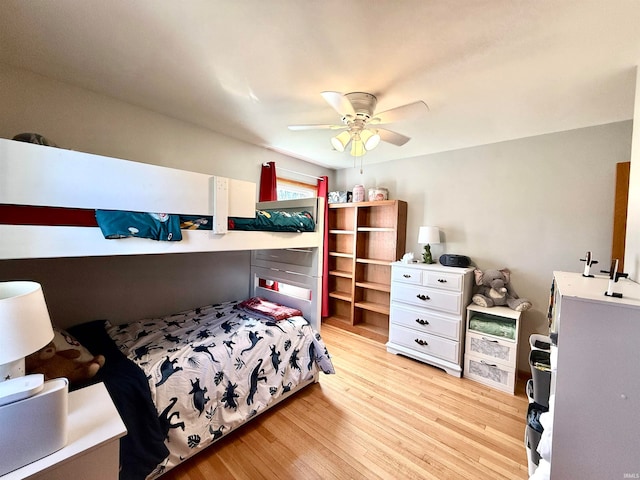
pixel 25 326
pixel 370 138
pixel 429 235
pixel 341 140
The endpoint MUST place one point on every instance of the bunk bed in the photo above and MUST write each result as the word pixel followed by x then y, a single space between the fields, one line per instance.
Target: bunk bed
pixel 196 375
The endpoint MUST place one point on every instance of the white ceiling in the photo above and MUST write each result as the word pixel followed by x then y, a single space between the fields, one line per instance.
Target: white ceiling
pixel 490 70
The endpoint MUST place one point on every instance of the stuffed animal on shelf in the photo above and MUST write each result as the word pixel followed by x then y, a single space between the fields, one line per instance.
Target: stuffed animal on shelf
pixel 70 363
pixel 493 287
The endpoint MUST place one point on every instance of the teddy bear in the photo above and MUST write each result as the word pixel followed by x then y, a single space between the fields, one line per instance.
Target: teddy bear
pixel 493 287
pixel 54 363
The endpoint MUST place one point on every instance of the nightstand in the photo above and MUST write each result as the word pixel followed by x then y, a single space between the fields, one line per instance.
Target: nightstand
pixel 427 313
pixel 93 448
pixel 491 352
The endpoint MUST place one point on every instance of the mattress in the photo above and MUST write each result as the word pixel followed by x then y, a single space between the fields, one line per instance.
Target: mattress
pixel 213 368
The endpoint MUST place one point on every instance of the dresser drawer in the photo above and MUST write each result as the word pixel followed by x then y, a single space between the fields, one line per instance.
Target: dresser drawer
pixel 406 275
pixel 430 298
pixel 492 374
pixel 424 343
pixel 425 321
pixel 491 349
pixel 448 281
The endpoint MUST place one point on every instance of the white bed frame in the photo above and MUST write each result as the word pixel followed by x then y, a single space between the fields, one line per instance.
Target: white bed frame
pixel 37 175
pixel 45 176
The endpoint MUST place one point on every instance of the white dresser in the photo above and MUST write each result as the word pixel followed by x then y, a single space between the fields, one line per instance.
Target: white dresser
pixel 427 320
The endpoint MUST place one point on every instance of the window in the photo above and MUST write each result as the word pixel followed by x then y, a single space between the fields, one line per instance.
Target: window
pixel 291 189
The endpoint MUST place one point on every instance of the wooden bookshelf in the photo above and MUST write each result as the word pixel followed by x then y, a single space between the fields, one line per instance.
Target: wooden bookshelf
pixel 364 238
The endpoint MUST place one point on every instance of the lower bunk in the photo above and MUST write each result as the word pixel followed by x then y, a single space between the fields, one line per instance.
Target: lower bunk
pixel 183 381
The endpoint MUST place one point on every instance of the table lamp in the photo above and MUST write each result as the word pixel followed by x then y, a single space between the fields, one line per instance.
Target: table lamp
pixel 25 326
pixel 33 412
pixel 429 236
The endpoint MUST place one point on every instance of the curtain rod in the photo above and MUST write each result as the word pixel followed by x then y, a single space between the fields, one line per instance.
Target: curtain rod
pixel 293 171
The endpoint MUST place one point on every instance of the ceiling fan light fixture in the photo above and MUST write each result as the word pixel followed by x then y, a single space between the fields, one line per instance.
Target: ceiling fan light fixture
pixel 341 140
pixel 357 147
pixel 370 138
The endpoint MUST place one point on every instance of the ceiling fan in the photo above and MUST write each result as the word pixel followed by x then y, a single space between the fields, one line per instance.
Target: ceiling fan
pixel 360 122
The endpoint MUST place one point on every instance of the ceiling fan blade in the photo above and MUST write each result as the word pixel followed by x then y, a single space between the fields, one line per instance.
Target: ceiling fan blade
pixel 392 137
pixel 316 127
pixel 339 103
pixel 401 113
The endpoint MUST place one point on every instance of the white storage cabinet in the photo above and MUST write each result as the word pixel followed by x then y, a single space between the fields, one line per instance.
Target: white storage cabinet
pixel 489 358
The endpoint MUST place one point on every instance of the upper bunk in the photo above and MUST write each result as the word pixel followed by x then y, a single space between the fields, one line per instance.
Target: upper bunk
pixel 58 179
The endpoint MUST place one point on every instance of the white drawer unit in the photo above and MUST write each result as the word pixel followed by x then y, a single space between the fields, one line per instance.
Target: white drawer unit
pixel 491 347
pixel 427 313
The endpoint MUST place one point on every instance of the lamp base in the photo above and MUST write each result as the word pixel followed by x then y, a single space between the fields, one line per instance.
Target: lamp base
pixel 426 256
pixel 12 370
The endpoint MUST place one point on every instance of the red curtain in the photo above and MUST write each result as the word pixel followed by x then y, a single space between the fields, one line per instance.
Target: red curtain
pixel 323 191
pixel 268 188
pixel 268 193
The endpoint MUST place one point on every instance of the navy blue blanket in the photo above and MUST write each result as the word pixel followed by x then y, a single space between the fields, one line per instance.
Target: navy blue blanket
pixel 143 448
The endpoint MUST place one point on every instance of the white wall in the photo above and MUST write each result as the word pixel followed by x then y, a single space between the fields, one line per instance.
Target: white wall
pixel 126 288
pixel 632 241
pixel 533 205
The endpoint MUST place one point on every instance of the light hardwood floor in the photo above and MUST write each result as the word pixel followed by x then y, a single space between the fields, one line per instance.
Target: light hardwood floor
pixel 381 416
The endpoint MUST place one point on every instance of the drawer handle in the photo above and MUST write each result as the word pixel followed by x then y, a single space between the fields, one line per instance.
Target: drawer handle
pixel 421 342
pixel 489 364
pixel 423 297
pixel 489 340
pixel 406 275
pixel 442 280
pixel 422 322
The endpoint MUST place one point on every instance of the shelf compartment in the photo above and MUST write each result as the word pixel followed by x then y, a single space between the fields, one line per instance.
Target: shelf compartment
pixel 343 266
pixel 373 273
pixel 342 217
pixel 378 214
pixel 374 243
pixel 341 309
pixel 341 243
pixel 372 321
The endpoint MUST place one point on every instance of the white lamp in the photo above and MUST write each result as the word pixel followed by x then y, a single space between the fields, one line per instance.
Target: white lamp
pixel 429 236
pixel 25 326
pixel 370 138
pixel 341 140
pixel 33 413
